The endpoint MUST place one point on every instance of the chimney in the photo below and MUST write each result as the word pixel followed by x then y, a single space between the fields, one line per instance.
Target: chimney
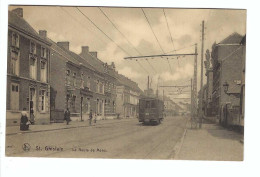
pixel 43 33
pixel 64 44
pixel 94 54
pixel 113 65
pixel 84 51
pixel 18 11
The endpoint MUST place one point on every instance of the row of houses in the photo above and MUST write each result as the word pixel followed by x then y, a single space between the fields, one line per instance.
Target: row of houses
pixel 223 94
pixel 45 78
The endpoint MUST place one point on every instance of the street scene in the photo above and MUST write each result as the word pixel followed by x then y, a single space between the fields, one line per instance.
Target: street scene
pixel 125 83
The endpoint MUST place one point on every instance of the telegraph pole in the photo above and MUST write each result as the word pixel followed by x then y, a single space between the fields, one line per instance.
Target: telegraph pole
pixel 191 98
pixel 201 77
pixel 195 84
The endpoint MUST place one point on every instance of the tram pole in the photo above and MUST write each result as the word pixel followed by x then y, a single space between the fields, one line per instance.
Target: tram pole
pixel 201 76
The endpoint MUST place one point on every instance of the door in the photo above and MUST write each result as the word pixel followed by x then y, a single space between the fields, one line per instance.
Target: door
pixel 32 105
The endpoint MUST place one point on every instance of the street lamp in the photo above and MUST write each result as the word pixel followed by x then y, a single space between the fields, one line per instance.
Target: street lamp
pixel 225 85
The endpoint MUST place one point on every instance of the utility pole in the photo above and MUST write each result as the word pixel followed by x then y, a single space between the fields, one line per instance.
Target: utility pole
pixel 201 77
pixel 195 83
pixel 148 84
pixel 191 98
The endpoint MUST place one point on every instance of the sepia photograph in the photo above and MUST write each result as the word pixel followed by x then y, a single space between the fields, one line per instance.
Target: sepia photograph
pixel 125 82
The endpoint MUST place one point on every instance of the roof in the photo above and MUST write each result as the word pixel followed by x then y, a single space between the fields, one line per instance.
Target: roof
pixel 234 38
pixel 243 41
pixel 62 52
pixel 18 22
pixel 123 80
pixel 95 62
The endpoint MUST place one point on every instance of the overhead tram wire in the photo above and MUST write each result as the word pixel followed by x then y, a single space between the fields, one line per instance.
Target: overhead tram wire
pixel 169 29
pixel 124 36
pixel 75 19
pixel 102 31
pixel 180 49
pixel 142 67
pixel 152 31
pixel 155 37
pixel 170 35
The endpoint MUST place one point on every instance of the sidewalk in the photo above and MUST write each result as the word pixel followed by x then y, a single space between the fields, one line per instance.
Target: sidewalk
pixel 211 142
pixel 12 130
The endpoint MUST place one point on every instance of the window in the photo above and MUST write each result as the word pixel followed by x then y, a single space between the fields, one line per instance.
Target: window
pixel 147 104
pixel 15 62
pixel 153 104
pixel 88 83
pixel 15 40
pixel 74 79
pixel 33 68
pixel 32 48
pixel 97 89
pixel 43 71
pixel 44 52
pixel 14 98
pixel 42 100
pixel 101 88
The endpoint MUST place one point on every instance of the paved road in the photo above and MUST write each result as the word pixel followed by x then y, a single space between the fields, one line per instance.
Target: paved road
pixel 119 139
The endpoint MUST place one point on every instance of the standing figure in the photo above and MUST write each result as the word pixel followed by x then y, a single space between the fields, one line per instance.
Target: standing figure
pixel 95 117
pixel 24 124
pixel 67 116
pixel 90 117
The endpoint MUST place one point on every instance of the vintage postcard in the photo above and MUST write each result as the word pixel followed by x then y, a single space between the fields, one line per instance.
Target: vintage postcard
pixel 125 83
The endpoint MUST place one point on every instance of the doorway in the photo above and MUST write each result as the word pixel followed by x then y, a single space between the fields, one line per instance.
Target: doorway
pixel 32 105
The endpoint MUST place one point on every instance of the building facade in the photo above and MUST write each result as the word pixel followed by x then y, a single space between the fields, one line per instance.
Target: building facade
pixel 105 76
pixel 28 66
pixel 227 60
pixel 127 97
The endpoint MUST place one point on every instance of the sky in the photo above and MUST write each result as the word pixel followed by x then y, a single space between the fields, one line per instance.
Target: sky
pixel 132 35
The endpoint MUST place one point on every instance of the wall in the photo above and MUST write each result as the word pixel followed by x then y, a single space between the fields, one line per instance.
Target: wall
pixel 231 70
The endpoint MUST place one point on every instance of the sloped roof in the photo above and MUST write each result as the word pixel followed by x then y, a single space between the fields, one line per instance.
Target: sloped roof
pixel 122 80
pixel 62 52
pixel 234 38
pixel 95 62
pixel 19 23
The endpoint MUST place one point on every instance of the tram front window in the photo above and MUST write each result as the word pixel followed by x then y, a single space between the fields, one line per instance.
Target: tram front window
pixel 147 104
pixel 153 104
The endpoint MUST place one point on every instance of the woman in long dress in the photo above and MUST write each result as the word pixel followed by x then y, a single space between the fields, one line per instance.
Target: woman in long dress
pixel 24 124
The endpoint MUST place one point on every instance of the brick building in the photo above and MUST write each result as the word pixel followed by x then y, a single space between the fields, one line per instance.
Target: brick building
pixel 28 65
pixel 227 60
pixel 127 97
pixel 105 78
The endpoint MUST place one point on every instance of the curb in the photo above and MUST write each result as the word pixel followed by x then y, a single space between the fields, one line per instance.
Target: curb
pixel 55 129
pixel 179 145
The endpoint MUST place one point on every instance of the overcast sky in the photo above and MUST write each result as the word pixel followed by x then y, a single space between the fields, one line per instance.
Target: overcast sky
pixel 68 24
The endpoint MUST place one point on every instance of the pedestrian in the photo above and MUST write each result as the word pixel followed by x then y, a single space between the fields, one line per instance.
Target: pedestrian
pixel 95 118
pixel 67 116
pixel 90 117
pixel 24 124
